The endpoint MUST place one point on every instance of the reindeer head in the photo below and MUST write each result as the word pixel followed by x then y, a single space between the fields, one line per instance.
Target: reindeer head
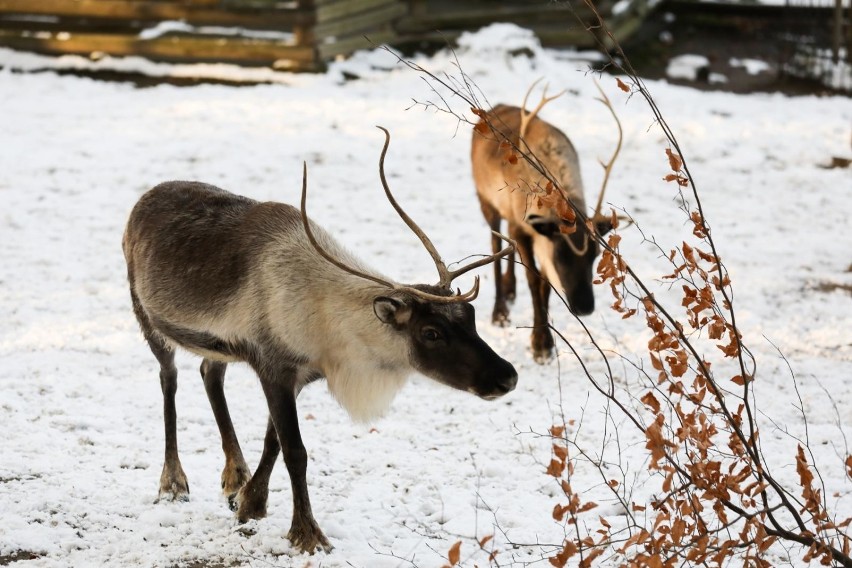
pixel 568 260
pixel 437 325
pixel 570 244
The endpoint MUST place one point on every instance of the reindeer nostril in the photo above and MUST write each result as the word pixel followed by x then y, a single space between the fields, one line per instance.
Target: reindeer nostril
pixel 508 383
pixel 582 304
pixel 500 380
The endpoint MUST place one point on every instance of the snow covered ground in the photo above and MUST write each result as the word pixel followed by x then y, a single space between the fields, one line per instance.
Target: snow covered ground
pixel 80 403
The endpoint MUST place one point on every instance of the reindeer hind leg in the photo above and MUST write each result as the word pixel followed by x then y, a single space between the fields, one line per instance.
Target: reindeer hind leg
pixel 236 472
pixel 250 501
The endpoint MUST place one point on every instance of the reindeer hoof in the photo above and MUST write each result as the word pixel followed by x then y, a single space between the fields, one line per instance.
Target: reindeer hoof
pixel 174 493
pixel 542 358
pixel 542 345
pixel 173 485
pixel 542 354
pixel 307 537
pixel 234 476
pixel 500 317
pixel 247 504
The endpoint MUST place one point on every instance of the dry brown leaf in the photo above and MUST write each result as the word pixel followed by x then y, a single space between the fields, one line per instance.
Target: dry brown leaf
pixel 622 85
pixel 656 442
pixel 675 161
pixel 565 211
pixel 454 554
pixel 651 402
pixel 698 230
pixel 555 468
pixel 806 478
pixel 590 557
pixel 587 507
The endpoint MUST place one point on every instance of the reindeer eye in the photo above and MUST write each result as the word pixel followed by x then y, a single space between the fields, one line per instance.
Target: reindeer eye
pixel 431 334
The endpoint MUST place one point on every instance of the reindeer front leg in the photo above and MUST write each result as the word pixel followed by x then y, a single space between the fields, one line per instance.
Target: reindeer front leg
pixel 542 338
pixel 280 392
pixel 500 315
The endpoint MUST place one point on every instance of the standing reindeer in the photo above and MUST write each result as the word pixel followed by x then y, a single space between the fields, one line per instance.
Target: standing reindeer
pixel 232 279
pixel 538 194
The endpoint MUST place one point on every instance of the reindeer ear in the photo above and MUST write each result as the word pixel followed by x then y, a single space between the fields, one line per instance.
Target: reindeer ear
pixel 391 311
pixel 603 226
pixel 541 225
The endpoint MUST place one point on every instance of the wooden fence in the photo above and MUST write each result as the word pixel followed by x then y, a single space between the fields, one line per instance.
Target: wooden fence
pixel 295 34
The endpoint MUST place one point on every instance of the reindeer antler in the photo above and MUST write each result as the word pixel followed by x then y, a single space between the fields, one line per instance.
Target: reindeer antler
pixel 608 166
pixel 607 171
pixel 427 243
pixel 526 118
pixel 316 245
pixel 445 276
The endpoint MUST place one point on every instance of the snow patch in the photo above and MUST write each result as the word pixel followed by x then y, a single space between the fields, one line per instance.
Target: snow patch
pixel 686 66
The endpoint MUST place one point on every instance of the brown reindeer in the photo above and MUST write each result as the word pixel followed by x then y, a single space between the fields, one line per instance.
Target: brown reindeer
pixel 527 172
pixel 233 279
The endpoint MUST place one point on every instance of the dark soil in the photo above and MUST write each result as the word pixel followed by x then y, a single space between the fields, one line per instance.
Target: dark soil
pixel 17 556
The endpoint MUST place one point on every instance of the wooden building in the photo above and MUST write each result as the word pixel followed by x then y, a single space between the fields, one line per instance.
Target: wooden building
pixel 285 34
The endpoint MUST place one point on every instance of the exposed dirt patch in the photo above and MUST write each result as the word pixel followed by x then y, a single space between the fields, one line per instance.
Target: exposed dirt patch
pixel 13 478
pixel 200 563
pixel 833 287
pixel 837 162
pixel 18 556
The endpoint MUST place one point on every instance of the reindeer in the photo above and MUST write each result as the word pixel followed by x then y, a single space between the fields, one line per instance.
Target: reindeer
pixel 539 195
pixel 233 279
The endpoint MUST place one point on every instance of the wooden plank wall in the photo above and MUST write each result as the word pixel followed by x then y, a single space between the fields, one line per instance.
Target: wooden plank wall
pixel 216 32
pixel 557 24
pixel 295 34
pixel 310 32
pixel 341 25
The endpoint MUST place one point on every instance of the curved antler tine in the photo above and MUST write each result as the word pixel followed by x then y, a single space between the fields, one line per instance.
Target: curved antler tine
pixel 526 117
pixel 439 299
pixel 487 260
pixel 433 252
pixel 307 226
pixel 608 166
pixel 536 82
pixel 471 294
